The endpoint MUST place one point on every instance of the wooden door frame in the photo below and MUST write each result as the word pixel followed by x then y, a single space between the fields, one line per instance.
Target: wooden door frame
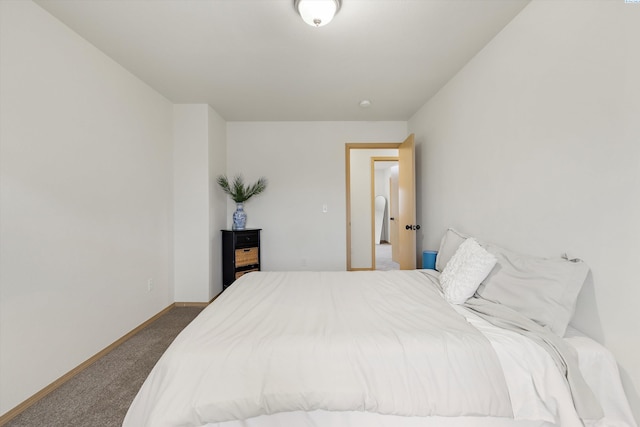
pixel 373 161
pixel 358 146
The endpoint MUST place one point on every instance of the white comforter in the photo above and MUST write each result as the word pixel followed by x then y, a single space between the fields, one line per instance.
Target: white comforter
pixel 380 342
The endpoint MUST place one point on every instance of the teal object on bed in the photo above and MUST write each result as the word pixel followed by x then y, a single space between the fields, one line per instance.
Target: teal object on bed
pixel 429 259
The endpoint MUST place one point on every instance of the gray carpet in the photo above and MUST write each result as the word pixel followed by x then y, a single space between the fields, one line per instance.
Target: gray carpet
pixel 101 394
pixel 383 258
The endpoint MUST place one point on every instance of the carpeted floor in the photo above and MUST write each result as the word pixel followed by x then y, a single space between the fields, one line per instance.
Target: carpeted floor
pixel 383 258
pixel 101 394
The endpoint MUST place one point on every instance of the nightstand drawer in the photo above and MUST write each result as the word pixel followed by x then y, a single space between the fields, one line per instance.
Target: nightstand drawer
pixel 247 239
pixel 246 256
pixel 239 274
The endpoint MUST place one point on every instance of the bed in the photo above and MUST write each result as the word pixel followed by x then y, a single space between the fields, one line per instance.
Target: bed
pixel 395 348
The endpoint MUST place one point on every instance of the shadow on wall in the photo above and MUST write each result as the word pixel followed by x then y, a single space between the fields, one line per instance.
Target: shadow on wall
pixel 587 315
pixel 632 394
pixel 587 320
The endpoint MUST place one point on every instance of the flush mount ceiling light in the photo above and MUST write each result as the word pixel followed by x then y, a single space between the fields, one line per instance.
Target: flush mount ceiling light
pixel 317 12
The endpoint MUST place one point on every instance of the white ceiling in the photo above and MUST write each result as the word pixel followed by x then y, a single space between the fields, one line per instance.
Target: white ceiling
pixel 257 60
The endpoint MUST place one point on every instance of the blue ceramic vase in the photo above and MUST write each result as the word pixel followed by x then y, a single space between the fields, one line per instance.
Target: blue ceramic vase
pixel 239 217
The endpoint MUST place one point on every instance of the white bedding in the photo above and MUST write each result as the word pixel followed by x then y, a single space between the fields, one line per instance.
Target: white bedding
pixel 597 364
pixel 537 394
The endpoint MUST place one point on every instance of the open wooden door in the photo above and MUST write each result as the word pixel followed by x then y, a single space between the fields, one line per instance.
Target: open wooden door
pixel 406 219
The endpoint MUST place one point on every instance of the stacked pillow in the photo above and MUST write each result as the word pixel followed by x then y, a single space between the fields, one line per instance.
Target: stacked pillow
pixel 464 272
pixel 542 289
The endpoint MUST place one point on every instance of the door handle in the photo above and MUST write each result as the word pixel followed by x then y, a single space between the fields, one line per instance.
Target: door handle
pixel 392 219
pixel 411 227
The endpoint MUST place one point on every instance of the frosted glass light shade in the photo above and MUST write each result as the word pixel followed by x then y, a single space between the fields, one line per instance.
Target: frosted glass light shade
pixel 317 12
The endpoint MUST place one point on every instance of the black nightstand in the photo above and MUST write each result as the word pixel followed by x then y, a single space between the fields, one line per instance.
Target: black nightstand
pixel 240 254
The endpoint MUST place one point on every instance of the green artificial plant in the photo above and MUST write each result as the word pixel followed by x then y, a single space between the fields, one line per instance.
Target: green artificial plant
pixel 237 189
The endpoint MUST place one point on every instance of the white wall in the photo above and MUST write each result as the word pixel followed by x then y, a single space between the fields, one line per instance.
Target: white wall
pixel 217 198
pixel 199 209
pixel 191 202
pixel 85 196
pixel 535 145
pixel 305 165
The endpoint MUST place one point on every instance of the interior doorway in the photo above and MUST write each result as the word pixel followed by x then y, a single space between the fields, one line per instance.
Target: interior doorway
pixel 360 222
pixel 384 173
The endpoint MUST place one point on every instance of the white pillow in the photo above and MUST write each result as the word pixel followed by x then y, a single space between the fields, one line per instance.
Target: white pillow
pixel 543 289
pixel 464 272
pixel 450 242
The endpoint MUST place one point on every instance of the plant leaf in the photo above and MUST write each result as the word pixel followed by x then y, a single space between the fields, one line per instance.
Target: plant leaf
pixel 238 191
